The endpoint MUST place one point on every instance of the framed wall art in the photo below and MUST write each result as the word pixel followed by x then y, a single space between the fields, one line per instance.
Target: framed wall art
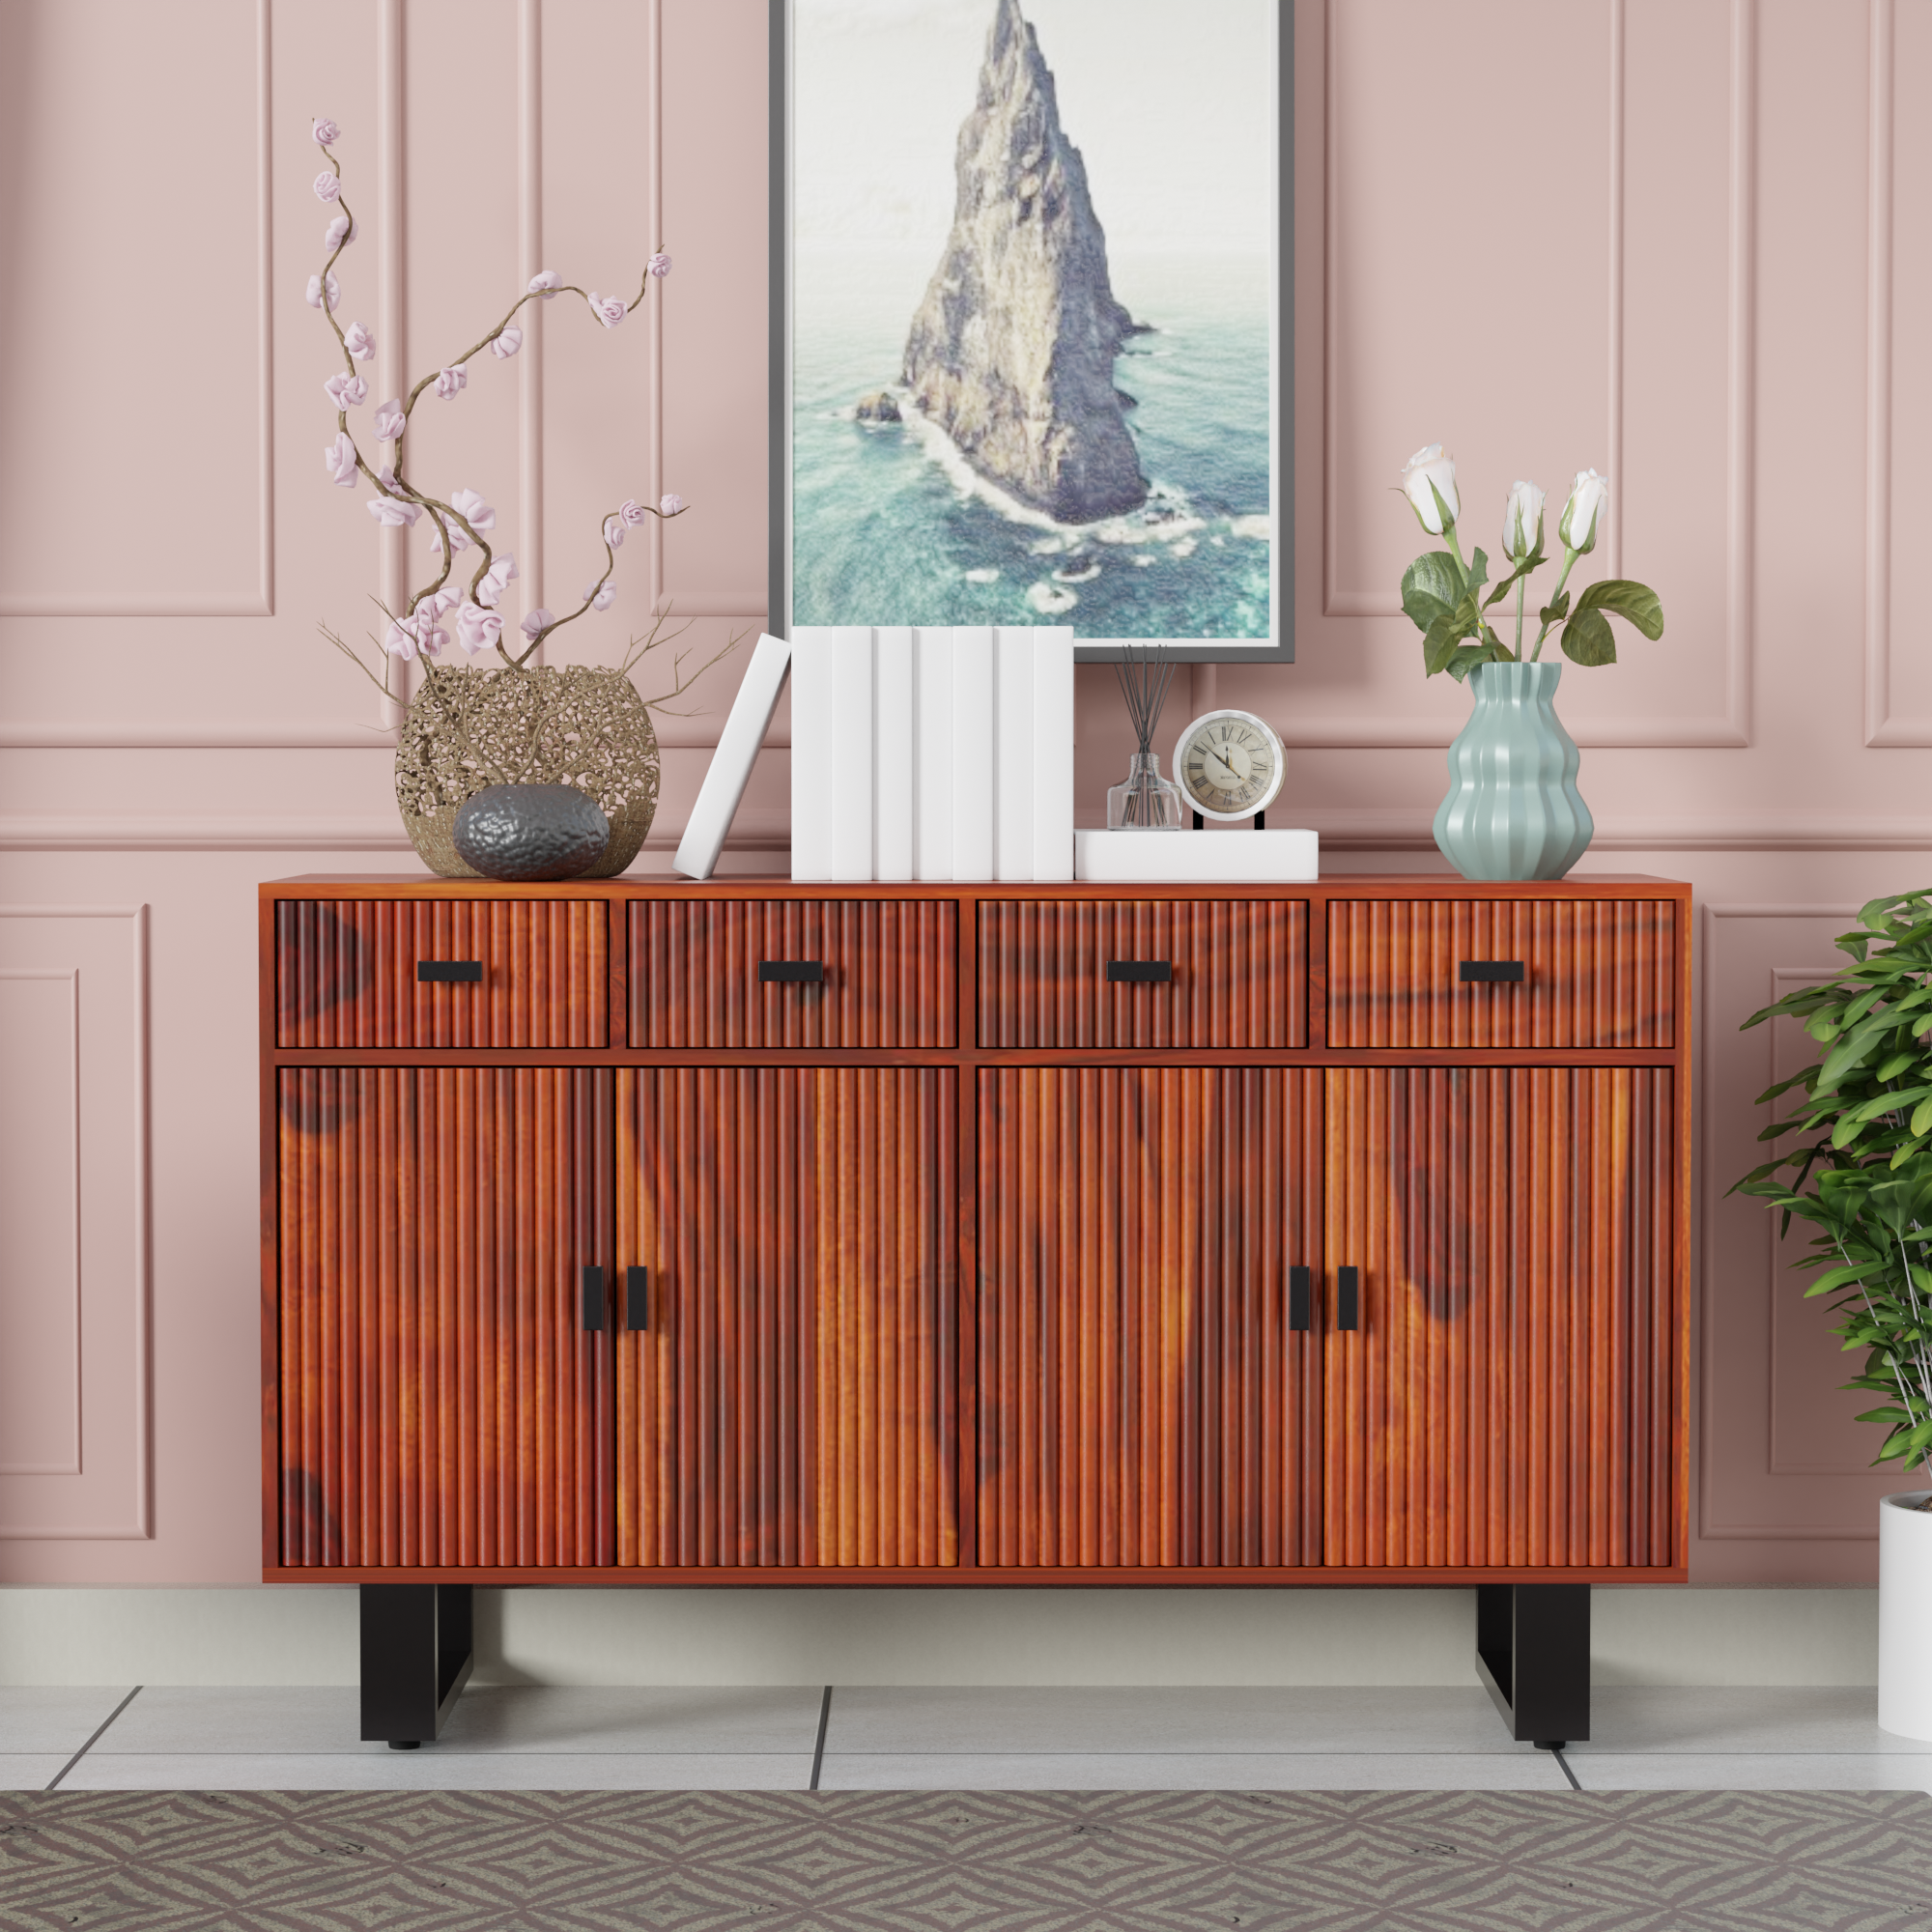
pixel 1031 341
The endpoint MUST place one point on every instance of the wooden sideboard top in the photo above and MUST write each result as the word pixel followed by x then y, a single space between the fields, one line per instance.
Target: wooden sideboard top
pixel 1331 885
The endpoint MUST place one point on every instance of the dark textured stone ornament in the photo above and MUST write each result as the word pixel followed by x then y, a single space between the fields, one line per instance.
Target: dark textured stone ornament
pixel 525 832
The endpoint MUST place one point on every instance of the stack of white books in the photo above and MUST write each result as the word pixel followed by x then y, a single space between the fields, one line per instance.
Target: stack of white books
pixel 931 754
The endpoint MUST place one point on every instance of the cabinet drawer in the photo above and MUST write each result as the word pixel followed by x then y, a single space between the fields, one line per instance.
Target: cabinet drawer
pixel 1595 973
pixel 860 972
pixel 346 973
pixel 1237 973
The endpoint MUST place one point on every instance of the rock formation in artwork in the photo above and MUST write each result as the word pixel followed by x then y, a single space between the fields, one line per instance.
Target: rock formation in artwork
pixel 1012 351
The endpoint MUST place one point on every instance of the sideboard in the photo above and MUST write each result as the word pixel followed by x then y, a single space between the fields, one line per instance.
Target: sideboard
pixel 634 1231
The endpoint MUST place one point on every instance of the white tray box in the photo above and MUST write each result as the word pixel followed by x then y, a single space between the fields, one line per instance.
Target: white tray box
pixel 1240 858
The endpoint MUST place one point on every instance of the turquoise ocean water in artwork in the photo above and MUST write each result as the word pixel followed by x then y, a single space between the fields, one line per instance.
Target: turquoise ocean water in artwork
pixel 891 527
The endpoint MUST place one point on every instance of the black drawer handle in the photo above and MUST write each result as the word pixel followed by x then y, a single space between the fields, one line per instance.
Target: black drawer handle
pixel 440 971
pixel 1347 1298
pixel 1301 1294
pixel 637 1299
pixel 794 971
pixel 1140 968
pixel 1490 969
pixel 593 1300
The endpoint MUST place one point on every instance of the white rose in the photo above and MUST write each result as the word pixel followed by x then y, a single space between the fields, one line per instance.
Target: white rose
pixel 1426 468
pixel 1587 496
pixel 1523 521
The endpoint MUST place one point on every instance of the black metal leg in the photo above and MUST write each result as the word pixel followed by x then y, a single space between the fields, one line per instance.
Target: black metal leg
pixel 1533 1653
pixel 415 1660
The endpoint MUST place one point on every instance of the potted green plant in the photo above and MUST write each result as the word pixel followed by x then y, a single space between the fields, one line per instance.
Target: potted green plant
pixel 1861 1175
pixel 1513 809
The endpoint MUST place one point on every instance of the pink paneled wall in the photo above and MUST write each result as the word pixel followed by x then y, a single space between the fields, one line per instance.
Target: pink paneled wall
pixel 1712 203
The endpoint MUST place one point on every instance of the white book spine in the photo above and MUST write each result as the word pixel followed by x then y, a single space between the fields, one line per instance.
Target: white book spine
pixel 730 766
pixel 1053 753
pixel 1013 752
pixel 810 721
pixel 932 699
pixel 847 775
pixel 894 752
pixel 973 764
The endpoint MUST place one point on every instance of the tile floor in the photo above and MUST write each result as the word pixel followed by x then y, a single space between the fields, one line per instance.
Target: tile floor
pixel 162 1737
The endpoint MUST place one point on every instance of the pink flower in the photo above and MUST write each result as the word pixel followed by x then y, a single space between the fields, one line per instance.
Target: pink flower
pixel 539 619
pixel 389 419
pixel 339 460
pixel 599 596
pixel 495 579
pixel 506 342
pixel 632 512
pixel 400 641
pixel 341 229
pixel 608 309
pixel 439 603
pixel 322 288
pixel 327 187
pixel 613 531
pixel 451 383
pixel 477 629
pixel 347 392
pixel 457 540
pixel 358 342
pixel 473 510
pixel 546 283
pixel 670 503
pixel 386 481
pixel 394 512
pixel 659 265
pixel 326 133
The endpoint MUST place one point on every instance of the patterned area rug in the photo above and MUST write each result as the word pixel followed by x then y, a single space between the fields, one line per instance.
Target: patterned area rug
pixel 970 1861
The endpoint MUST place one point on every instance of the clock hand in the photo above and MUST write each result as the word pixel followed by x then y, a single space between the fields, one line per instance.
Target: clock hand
pixel 1228 781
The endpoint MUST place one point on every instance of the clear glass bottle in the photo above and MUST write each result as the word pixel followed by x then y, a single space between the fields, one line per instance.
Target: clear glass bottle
pixel 1146 799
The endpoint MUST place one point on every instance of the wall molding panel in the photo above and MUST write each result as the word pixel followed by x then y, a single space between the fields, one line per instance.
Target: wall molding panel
pixel 108 1496
pixel 1730 728
pixel 257 600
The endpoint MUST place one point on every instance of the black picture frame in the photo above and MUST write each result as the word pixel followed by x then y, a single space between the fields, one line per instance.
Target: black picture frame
pixel 1279 648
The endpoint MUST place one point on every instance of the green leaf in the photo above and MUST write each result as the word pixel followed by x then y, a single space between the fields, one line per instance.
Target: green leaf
pixel 1636 603
pixel 1431 587
pixel 1557 609
pixel 1479 573
pixel 1440 641
pixel 1587 638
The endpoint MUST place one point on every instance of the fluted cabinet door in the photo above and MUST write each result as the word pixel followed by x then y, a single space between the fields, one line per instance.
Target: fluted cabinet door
pixel 1142 1399
pixel 1512 1394
pixel 789 1397
pixel 441 1402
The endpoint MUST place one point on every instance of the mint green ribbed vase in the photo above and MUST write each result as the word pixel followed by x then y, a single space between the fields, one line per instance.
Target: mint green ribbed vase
pixel 1513 811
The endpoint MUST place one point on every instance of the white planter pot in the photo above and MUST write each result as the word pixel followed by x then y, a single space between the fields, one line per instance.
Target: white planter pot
pixel 1905 1616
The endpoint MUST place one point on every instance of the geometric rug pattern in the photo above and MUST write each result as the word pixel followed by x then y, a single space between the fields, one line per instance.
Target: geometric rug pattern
pixel 971 1862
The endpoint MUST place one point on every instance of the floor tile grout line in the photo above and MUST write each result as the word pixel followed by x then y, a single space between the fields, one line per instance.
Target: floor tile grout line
pixel 1576 1784
pixel 93 1741
pixel 818 1748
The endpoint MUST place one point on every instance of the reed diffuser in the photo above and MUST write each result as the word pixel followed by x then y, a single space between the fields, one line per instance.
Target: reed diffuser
pixel 1145 801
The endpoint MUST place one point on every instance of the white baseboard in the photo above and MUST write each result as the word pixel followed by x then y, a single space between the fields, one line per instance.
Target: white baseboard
pixel 308 1636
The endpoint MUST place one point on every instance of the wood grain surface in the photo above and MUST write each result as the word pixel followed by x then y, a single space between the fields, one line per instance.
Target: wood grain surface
pixel 1240 973
pixel 1515 1392
pixel 440 1402
pixel 890 974
pixel 792 1399
pixel 346 972
pixel 1597 973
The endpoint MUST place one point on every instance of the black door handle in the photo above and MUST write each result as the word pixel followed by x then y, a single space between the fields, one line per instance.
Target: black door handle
pixel 1347 1298
pixel 1140 968
pixel 593 1300
pixel 794 971
pixel 1491 970
pixel 637 1298
pixel 1301 1294
pixel 436 970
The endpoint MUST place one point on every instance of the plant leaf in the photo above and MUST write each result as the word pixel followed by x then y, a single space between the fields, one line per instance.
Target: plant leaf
pixel 1430 587
pixel 1636 603
pixel 1587 638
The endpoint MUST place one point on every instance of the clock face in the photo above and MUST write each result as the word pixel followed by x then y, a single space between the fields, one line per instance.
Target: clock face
pixel 1229 764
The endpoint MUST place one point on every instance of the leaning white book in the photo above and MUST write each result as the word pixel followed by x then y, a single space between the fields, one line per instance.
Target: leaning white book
pixel 810 723
pixel 731 767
